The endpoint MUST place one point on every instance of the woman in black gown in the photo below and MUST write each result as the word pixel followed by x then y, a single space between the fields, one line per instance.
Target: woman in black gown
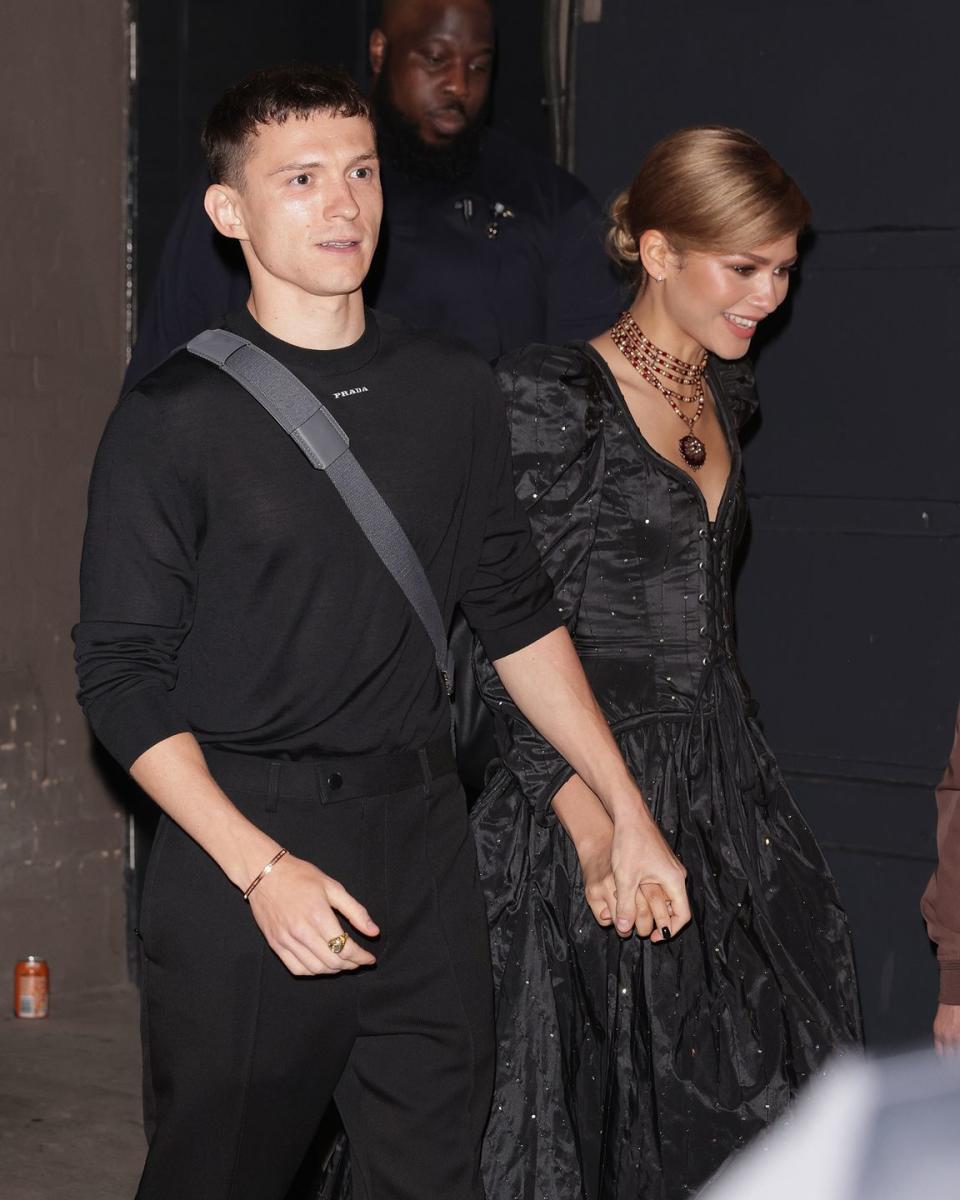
pixel 633 1068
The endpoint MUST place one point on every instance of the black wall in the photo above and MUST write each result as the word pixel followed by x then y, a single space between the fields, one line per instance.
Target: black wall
pixel 847 596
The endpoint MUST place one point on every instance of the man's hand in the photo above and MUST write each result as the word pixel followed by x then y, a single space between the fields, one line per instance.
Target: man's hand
pixel 946 1030
pixel 296 907
pixel 600 889
pixel 650 880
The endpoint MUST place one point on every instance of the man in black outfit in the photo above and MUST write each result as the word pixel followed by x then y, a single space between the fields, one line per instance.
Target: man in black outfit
pixel 243 651
pixel 484 238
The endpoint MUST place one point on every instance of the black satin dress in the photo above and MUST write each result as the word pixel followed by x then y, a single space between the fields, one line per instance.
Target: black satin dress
pixel 627 1069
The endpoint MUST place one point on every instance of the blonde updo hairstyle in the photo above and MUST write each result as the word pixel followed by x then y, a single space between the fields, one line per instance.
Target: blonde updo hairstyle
pixel 709 188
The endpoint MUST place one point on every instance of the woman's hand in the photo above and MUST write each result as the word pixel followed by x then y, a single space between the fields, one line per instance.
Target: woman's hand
pixel 597 872
pixel 590 829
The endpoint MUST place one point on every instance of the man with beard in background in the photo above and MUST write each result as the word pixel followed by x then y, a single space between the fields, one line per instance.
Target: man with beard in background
pixel 483 238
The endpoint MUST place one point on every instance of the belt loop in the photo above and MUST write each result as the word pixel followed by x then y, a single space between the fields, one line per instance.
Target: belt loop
pixel 425 767
pixel 273 786
pixel 326 789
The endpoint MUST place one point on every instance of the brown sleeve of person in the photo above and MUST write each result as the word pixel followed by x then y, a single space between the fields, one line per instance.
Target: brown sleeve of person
pixel 941 901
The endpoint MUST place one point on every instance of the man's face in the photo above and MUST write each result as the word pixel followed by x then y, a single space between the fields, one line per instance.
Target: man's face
pixel 436 57
pixel 308 209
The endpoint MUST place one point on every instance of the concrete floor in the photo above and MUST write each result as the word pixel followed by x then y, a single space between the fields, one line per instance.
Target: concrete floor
pixel 70 1124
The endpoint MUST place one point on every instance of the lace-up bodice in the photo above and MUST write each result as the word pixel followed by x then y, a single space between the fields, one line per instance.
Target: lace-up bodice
pixel 657 604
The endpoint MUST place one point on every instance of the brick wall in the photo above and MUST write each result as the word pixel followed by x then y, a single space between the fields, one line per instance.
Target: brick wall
pixel 63 93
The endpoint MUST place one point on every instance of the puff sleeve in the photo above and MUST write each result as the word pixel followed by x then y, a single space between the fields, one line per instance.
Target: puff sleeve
pixel 554 408
pixel 739 387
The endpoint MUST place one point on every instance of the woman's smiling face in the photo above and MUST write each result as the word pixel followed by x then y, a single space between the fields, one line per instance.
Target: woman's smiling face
pixel 717 300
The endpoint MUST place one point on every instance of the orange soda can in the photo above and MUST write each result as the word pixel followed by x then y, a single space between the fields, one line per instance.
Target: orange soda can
pixel 31 988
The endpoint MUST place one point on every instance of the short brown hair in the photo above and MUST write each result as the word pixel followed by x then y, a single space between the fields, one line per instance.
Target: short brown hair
pixel 269 97
pixel 707 188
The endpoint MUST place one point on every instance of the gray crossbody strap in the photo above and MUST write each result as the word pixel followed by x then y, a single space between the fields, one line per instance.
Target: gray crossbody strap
pixel 298 411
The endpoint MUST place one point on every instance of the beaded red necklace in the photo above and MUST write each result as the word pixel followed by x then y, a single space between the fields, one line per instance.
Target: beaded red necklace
pixel 656 365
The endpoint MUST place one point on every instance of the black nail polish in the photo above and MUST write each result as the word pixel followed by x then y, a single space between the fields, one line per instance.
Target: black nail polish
pixel 665 930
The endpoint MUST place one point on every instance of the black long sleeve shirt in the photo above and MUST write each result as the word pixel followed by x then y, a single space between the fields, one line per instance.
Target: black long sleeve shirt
pixel 227 591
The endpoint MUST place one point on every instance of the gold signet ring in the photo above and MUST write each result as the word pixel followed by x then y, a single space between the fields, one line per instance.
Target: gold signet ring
pixel 337 944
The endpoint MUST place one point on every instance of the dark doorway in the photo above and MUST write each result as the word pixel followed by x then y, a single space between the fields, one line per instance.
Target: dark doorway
pixel 847 595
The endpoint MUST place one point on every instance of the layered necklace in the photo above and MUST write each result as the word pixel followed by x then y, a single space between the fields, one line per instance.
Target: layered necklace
pixel 656 366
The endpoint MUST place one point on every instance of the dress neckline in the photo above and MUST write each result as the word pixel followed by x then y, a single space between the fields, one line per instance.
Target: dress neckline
pixel 716 391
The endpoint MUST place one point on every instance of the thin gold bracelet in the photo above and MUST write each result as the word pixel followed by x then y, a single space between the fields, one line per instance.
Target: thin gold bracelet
pixel 265 872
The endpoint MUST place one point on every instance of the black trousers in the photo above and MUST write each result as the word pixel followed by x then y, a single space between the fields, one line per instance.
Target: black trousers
pixel 241 1058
